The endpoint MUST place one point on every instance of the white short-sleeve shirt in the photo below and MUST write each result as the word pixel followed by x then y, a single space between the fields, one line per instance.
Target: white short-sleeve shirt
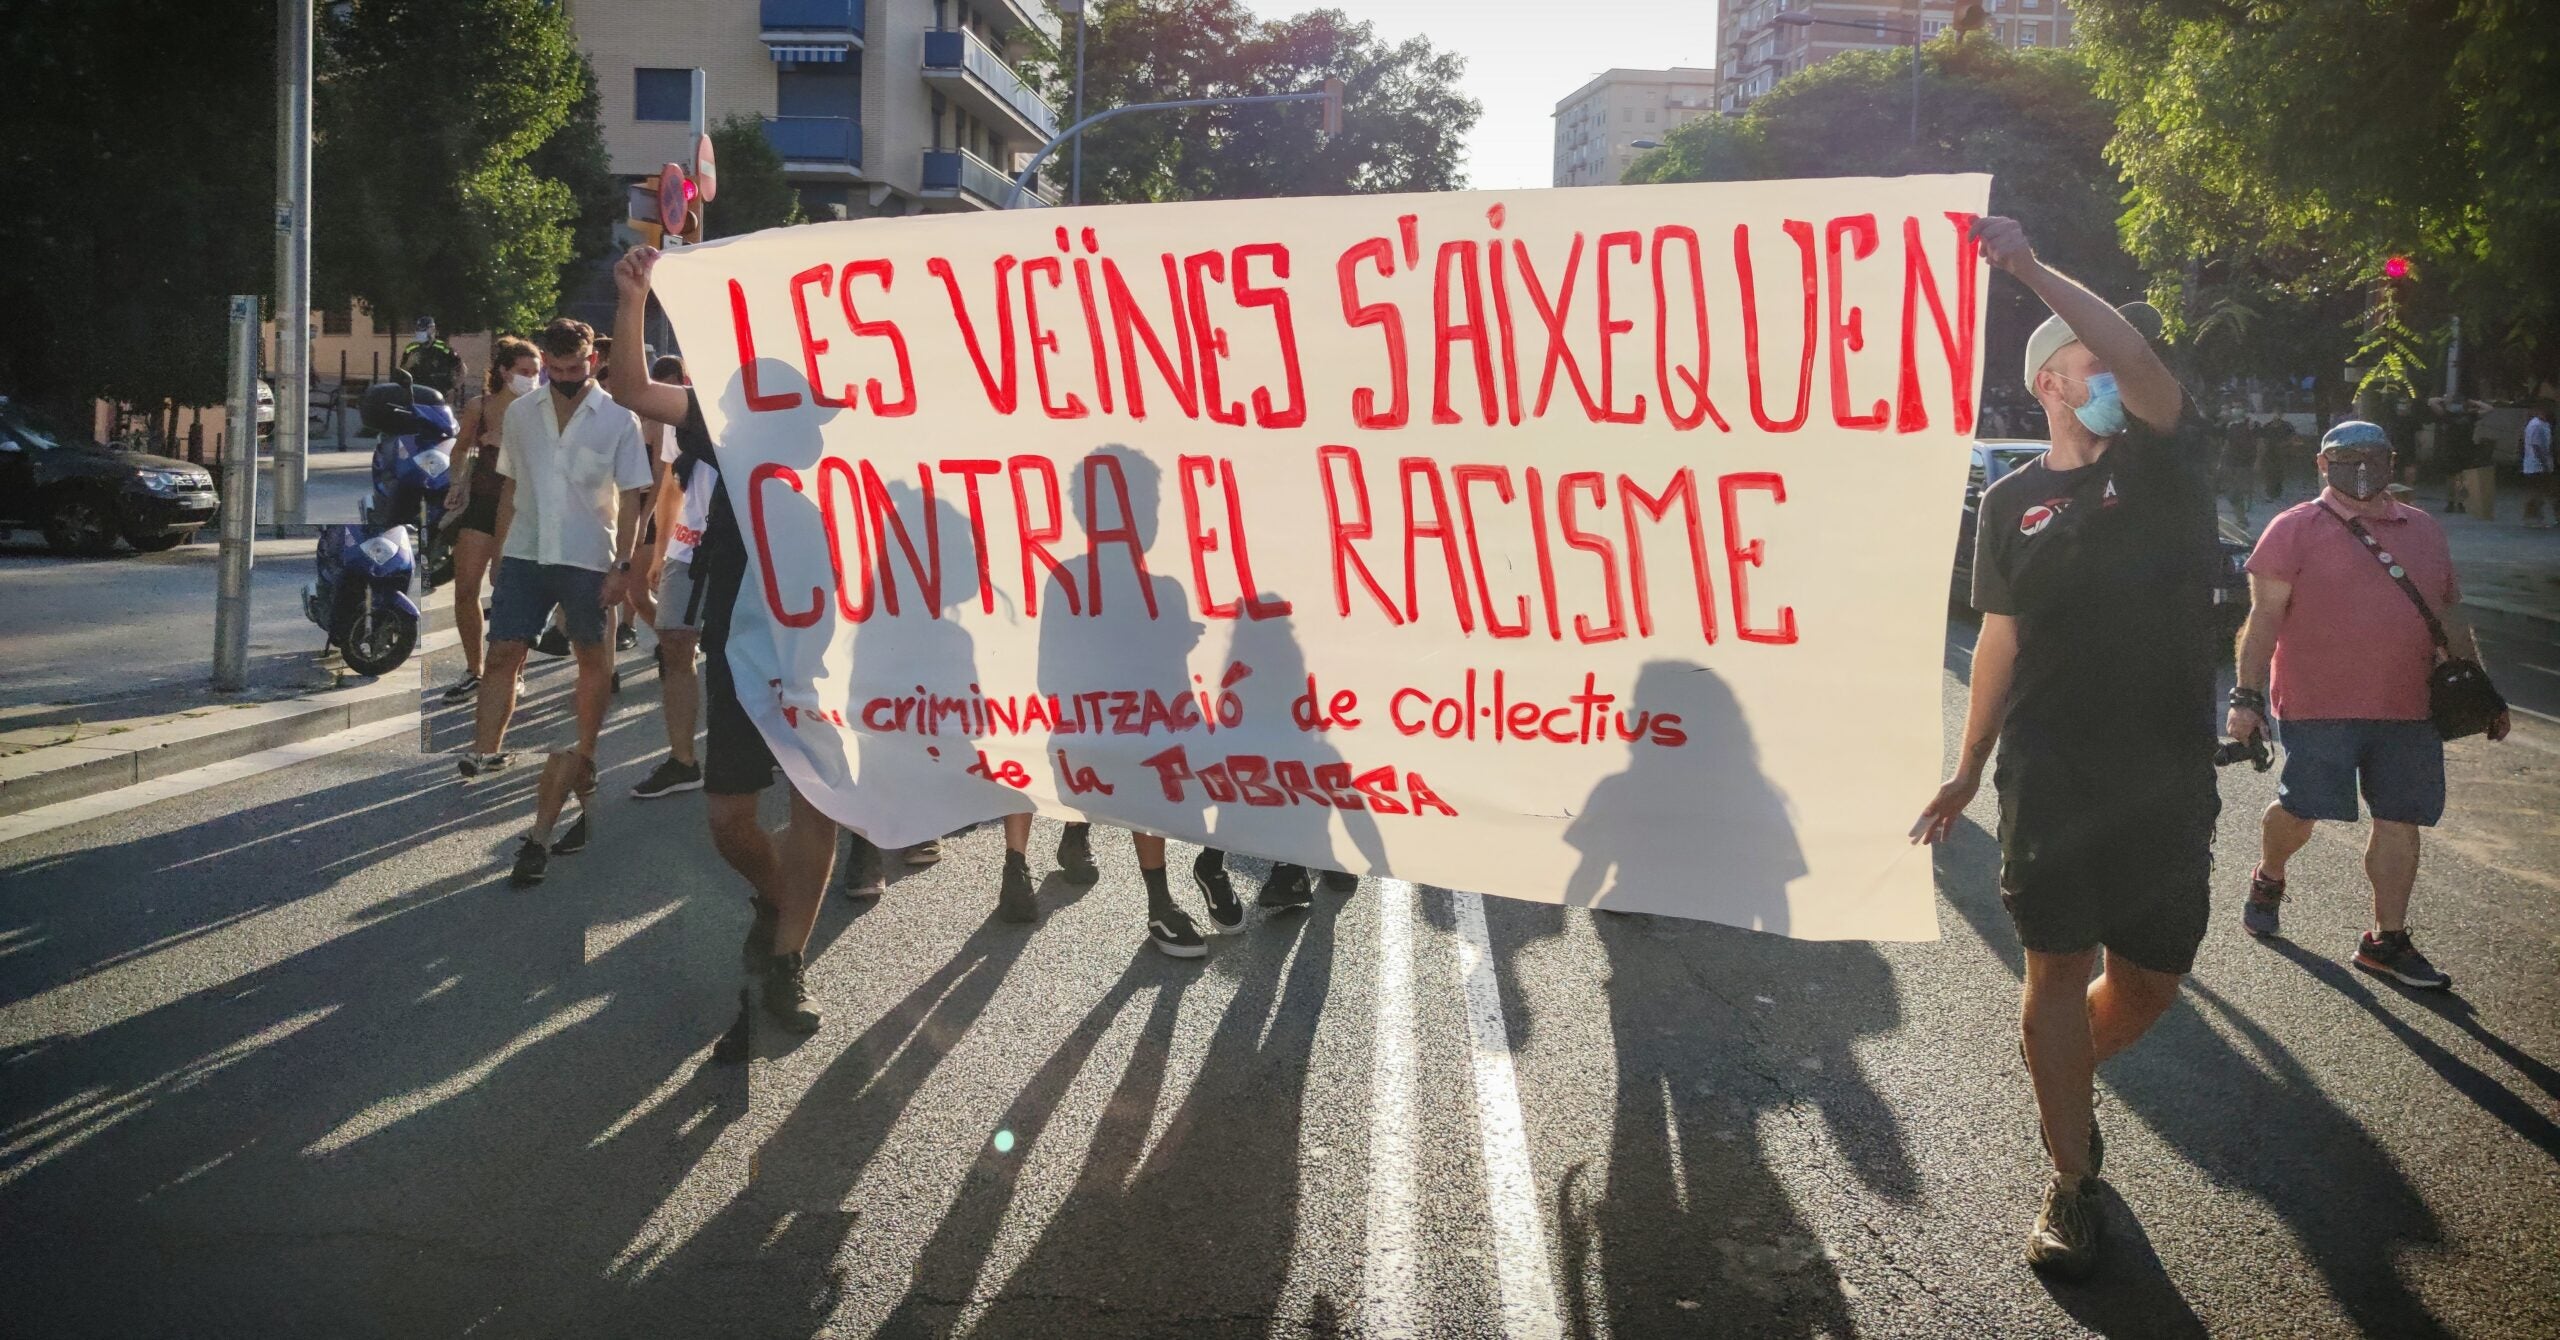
pixel 569 478
pixel 696 512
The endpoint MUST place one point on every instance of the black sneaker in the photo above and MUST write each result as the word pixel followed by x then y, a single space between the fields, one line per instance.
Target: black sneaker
pixel 2069 1228
pixel 863 880
pixel 2390 954
pixel 786 994
pixel 627 640
pixel 532 861
pixel 1015 900
pixel 463 690
pixel 764 917
pixel 573 841
pixel 668 778
pixel 1340 881
pixel 2262 913
pixel 1288 889
pixel 1175 935
pixel 481 765
pixel 1075 855
pixel 1226 910
pixel 554 641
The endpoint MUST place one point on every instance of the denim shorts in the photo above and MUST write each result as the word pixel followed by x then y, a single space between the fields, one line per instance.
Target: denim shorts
pixel 2398 765
pixel 521 598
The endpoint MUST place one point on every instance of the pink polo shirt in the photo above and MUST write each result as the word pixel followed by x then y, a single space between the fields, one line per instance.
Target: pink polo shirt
pixel 2352 646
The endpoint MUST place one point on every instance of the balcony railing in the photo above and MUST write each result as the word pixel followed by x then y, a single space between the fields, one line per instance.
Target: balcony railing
pixel 964 172
pixel 831 140
pixel 813 16
pixel 957 56
pixel 1035 15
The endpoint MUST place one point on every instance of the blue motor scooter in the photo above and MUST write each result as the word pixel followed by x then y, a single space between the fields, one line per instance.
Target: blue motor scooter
pixel 361 596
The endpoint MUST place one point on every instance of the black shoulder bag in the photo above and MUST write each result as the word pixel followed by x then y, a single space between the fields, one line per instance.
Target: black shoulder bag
pixel 2460 699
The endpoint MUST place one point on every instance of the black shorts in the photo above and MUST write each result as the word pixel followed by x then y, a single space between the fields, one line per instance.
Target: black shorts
pixel 481 513
pixel 736 760
pixel 2095 852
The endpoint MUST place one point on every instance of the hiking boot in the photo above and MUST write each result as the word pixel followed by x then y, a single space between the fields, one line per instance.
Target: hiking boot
pixel 1288 889
pixel 668 778
pixel 786 993
pixel 863 880
pixel 2266 898
pixel 532 860
pixel 2069 1228
pixel 759 946
pixel 1209 871
pixel 573 841
pixel 1340 881
pixel 1075 855
pixel 924 853
pixel 1173 933
pixel 463 690
pixel 481 765
pixel 2389 954
pixel 1015 900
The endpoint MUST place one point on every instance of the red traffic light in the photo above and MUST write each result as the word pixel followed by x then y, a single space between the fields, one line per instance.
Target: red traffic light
pixel 2396 267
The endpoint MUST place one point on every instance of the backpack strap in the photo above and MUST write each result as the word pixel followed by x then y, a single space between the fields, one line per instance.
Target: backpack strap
pixel 2398 574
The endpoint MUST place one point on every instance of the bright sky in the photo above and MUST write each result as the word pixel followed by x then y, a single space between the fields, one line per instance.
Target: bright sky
pixel 1524 57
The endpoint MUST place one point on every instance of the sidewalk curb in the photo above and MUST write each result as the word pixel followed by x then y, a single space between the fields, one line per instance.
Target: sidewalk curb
pixel 70 771
pixel 2513 620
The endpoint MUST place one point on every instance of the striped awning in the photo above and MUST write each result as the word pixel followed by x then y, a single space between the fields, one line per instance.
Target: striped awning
pixel 809 53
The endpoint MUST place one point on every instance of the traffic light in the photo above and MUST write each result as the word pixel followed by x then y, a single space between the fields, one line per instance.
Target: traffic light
pixel 1332 107
pixel 2396 267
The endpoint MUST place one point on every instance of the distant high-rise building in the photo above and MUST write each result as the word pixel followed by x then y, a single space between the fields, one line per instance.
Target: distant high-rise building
pixel 1755 51
pixel 1597 125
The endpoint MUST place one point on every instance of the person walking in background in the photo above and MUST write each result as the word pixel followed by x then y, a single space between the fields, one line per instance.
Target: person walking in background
pixel 2275 438
pixel 431 362
pixel 2093 679
pixel 574 469
pixel 2337 656
pixel 2540 469
pixel 2474 489
pixel 682 508
pixel 514 370
pixel 2238 466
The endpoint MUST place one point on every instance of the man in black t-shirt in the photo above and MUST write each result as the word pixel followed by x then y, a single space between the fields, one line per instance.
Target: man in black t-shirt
pixel 2093 675
pixel 788 883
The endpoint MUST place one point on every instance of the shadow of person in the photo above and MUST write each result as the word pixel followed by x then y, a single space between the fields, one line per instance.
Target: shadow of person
pixel 2268 1130
pixel 1692 828
pixel 1294 832
pixel 1206 1189
pixel 2494 1098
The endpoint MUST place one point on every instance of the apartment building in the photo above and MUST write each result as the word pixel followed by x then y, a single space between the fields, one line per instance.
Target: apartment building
pixel 878 107
pixel 1756 47
pixel 1598 124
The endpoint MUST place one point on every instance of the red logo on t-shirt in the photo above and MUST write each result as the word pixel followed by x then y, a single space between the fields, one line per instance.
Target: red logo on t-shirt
pixel 2041 515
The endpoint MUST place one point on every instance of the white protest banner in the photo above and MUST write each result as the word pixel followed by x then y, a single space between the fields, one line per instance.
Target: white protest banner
pixel 1582 546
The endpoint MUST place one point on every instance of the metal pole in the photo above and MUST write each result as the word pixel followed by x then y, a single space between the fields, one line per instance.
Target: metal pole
pixel 1075 179
pixel 293 258
pixel 239 505
pixel 1915 85
pixel 2453 361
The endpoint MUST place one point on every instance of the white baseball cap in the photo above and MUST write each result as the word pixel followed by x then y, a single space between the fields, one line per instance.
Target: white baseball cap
pixel 2055 333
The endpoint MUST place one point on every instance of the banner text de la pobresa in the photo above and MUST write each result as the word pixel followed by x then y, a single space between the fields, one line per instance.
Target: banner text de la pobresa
pixel 1583 545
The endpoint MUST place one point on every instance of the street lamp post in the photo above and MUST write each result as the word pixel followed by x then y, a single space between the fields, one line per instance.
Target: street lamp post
pixel 1075 170
pixel 1330 95
pixel 1800 19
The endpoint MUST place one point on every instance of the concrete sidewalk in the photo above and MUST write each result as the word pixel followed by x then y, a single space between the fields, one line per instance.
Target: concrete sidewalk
pixel 2510 573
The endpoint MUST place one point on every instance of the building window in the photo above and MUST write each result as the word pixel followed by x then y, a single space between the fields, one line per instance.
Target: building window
pixel 2029 33
pixel 661 95
pixel 1650 116
pixel 336 321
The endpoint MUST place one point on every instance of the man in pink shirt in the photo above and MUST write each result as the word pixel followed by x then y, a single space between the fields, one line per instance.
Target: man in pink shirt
pixel 2339 653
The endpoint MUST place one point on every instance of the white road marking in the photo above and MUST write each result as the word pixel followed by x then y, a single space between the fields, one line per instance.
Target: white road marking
pixel 1511 1190
pixel 45 818
pixel 1387 1267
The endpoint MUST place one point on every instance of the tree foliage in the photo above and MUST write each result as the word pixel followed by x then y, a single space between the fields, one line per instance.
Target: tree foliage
pixel 141 165
pixel 1405 121
pixel 438 120
pixel 754 195
pixel 2031 119
pixel 2299 142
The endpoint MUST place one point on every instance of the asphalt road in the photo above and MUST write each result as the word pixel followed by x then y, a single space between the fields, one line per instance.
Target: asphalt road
pixel 288 1057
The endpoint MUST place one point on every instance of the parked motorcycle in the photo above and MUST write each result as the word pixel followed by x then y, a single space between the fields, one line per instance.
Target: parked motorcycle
pixel 361 596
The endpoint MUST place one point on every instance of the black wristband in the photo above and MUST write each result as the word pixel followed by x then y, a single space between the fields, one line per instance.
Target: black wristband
pixel 2245 699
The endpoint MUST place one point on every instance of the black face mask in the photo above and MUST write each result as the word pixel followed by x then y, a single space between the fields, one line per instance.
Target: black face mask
pixel 2359 478
pixel 568 390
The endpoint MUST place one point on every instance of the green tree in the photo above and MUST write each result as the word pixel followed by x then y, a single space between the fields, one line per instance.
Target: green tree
pixel 2300 142
pixel 434 117
pixel 754 195
pixel 2031 119
pixel 1404 128
pixel 140 157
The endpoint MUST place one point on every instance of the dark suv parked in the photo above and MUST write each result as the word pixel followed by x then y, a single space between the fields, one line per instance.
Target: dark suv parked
pixel 84 495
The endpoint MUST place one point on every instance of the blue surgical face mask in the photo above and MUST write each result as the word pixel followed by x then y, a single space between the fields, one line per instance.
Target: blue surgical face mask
pixel 2104 412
